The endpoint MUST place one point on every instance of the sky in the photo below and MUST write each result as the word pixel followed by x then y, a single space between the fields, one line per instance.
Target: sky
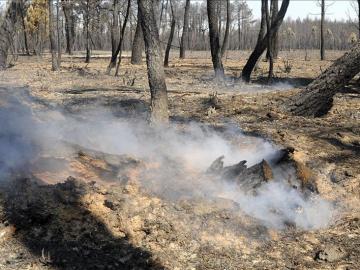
pixel 339 9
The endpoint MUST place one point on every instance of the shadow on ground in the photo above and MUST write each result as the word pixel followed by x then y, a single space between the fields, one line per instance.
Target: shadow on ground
pixel 55 225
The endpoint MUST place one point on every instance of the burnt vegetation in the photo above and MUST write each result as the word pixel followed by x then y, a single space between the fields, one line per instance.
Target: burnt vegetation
pixel 178 134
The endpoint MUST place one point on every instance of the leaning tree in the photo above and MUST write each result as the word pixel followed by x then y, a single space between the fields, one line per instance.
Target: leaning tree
pixel 262 44
pixel 156 74
pixel 317 98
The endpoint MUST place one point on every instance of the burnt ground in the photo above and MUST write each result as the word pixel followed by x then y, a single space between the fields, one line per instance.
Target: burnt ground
pixel 79 223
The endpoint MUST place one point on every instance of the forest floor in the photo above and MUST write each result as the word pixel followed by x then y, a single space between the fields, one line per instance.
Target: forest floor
pixel 91 222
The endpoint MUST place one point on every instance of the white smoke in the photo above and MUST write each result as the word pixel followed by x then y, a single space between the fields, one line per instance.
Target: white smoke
pixel 184 152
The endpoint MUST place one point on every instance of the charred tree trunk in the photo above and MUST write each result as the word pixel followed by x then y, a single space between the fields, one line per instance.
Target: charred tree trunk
pixel 215 38
pixel 185 30
pixel 156 74
pixel 121 42
pixel 68 10
pixel 118 50
pixel 322 29
pixel 316 100
pixel 262 45
pixel 87 24
pixel 171 36
pixel 138 43
pixel 274 9
pixel 22 14
pixel 7 30
pixel 115 33
pixel 262 29
pixel 269 42
pixel 227 29
pixel 58 33
pixel 54 61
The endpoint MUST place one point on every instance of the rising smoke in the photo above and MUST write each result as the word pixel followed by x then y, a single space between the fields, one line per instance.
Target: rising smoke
pixel 182 152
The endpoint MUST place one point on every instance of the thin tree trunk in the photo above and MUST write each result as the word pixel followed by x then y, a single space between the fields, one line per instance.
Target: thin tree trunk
pixel 156 74
pixel 322 29
pixel 269 41
pixel 227 29
pixel 359 16
pixel 316 100
pixel 115 33
pixel 261 46
pixel 123 37
pixel 171 36
pixel 7 30
pixel 185 30
pixel 58 34
pixel 54 60
pixel 22 14
pixel 215 38
pixel 262 29
pixel 87 22
pixel 138 43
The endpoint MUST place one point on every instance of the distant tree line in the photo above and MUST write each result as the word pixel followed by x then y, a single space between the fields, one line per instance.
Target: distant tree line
pixel 89 24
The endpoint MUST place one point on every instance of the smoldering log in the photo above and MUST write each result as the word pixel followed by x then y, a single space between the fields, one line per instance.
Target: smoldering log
pixel 248 179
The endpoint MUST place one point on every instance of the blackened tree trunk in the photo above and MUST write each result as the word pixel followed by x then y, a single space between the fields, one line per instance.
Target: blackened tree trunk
pixel 7 30
pixel 138 43
pixel 115 33
pixel 262 45
pixel 262 29
pixel 54 61
pixel 274 9
pixel 118 51
pixel 316 99
pixel 23 14
pixel 70 19
pixel 185 30
pixel 121 42
pixel 358 1
pixel 322 29
pixel 156 74
pixel 58 31
pixel 227 29
pixel 171 36
pixel 215 38
pixel 269 41
pixel 87 25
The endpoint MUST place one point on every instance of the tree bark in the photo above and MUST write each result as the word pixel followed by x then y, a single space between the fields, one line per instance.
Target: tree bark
pixel 115 33
pixel 274 9
pixel 156 74
pixel 358 1
pixel 262 45
pixel 121 42
pixel 54 61
pixel 316 99
pixel 185 30
pixel 215 38
pixel 58 33
pixel 171 36
pixel 322 29
pixel 269 41
pixel 23 14
pixel 138 43
pixel 227 29
pixel 68 10
pixel 87 23
pixel 7 30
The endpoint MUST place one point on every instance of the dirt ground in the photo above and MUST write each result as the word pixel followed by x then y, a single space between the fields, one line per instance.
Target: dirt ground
pixel 79 224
